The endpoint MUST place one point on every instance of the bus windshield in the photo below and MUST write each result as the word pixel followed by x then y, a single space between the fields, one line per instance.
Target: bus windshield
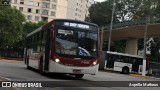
pixel 76 43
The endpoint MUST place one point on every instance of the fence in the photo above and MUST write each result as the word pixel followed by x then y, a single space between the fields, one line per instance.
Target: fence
pixel 11 54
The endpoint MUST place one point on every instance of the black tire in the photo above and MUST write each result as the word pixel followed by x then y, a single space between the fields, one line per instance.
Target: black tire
pixel 125 70
pixel 79 75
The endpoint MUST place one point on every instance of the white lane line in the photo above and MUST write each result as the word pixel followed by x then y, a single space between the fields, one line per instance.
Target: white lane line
pixel 1 77
pixel 5 78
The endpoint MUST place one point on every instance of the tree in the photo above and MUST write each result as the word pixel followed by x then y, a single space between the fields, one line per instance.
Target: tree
pixel 100 13
pixel 10 26
pixel 30 26
pixel 125 10
pixel 27 28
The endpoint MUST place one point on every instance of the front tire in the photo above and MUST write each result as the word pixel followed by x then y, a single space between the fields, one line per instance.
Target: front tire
pixel 79 75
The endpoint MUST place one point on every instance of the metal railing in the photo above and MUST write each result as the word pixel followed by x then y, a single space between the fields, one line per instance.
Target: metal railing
pixel 11 54
pixel 129 23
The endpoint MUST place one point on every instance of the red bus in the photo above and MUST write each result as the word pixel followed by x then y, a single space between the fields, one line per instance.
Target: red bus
pixel 64 46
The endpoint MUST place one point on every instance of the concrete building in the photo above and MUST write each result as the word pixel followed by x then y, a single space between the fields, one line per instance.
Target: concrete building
pixel 78 9
pixel 47 10
pixel 132 34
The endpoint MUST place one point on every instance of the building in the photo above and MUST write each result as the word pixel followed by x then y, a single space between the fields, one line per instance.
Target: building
pixel 78 9
pixel 47 10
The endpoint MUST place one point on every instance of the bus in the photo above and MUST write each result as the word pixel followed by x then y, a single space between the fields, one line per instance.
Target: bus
pixel 64 46
pixel 124 63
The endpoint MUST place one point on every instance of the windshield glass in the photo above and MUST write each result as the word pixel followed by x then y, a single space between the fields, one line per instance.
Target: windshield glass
pixel 76 43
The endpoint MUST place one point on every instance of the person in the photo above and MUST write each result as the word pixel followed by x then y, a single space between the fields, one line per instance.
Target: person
pixel 147 62
pixel 147 65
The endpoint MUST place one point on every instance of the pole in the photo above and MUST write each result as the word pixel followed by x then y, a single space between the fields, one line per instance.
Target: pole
pixel 144 49
pixel 110 31
pixel 102 32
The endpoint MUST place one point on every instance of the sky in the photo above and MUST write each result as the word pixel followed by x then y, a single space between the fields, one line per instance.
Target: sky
pixel 99 0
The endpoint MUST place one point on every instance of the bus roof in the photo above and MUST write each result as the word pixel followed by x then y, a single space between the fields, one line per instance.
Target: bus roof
pixel 64 20
pixel 38 29
pixel 124 54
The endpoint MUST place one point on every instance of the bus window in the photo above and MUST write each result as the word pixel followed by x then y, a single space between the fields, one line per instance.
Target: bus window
pixel 43 41
pixel 76 42
pixel 110 61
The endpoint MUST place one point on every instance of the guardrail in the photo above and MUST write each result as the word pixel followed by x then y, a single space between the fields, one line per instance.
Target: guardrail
pixel 129 23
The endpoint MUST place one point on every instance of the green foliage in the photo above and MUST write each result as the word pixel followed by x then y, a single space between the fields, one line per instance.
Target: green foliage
pixel 10 26
pixel 155 47
pixel 117 46
pixel 30 26
pixel 125 10
pixel 13 28
pixel 100 13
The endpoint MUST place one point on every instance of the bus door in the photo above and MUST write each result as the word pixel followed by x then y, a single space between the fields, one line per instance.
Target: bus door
pixel 47 50
pixel 135 66
pixel 110 61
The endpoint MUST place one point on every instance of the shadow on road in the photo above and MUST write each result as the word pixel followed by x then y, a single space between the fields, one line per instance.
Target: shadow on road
pixel 59 76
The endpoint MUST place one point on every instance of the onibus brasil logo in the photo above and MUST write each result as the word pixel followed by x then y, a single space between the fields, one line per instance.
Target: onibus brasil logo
pixel 21 84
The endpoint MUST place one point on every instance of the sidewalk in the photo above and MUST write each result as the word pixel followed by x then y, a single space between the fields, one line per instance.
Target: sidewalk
pixel 131 74
pixel 11 60
pixel 14 59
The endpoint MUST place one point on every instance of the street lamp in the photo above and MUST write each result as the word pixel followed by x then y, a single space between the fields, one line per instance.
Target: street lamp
pixel 110 31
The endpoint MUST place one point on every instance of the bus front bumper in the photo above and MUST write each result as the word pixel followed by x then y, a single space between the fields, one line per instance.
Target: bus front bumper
pixel 59 68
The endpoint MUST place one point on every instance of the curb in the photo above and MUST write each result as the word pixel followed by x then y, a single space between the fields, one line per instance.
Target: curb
pixel 12 60
pixel 138 75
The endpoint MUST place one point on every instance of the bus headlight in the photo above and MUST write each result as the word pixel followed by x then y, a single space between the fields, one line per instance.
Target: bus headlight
pixel 57 60
pixel 94 63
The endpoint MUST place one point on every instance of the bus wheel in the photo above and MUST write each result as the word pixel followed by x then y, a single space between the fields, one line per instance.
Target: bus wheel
pixel 79 75
pixel 125 70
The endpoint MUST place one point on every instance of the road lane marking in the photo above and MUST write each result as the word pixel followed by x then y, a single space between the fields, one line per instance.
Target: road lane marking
pixel 5 78
pixel 1 77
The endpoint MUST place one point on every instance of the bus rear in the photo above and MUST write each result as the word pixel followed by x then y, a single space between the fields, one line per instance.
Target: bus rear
pixel 124 63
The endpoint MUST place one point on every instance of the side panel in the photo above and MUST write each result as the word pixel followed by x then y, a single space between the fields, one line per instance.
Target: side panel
pixel 33 63
pixel 33 60
pixel 118 66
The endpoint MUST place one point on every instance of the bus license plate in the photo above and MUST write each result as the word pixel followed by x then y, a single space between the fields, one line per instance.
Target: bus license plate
pixel 76 71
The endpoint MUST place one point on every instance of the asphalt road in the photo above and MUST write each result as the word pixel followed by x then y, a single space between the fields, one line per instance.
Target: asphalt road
pixel 17 71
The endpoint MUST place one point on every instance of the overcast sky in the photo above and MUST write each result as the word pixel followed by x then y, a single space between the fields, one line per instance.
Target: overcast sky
pixel 99 0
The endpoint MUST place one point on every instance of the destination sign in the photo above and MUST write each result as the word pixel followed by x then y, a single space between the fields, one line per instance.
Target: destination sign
pixel 77 25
